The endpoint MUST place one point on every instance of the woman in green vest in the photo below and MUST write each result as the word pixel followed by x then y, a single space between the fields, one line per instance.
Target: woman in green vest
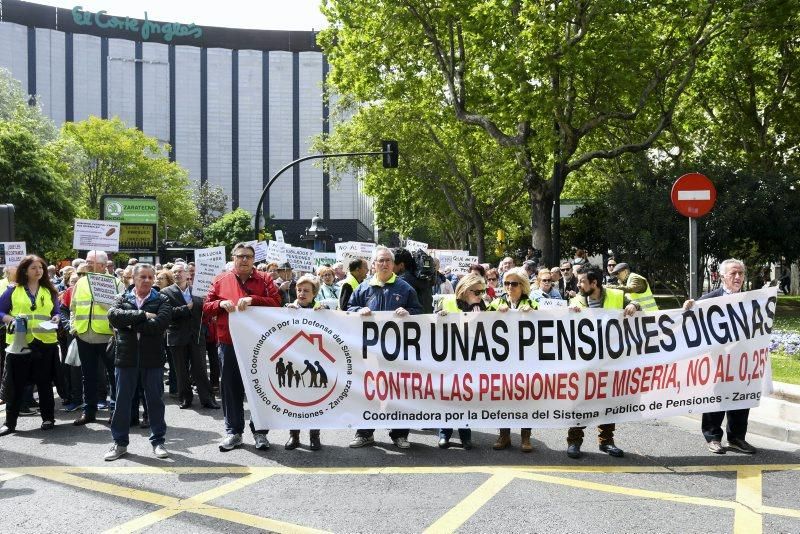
pixel 34 297
pixel 467 298
pixel 517 288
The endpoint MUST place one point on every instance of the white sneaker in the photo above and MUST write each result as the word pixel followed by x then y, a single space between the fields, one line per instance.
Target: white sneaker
pixel 160 451
pixel 230 442
pixel 361 441
pixel 115 452
pixel 262 443
pixel 402 443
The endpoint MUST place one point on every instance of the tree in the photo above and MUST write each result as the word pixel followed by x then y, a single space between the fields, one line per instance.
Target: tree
pixel 552 82
pixel 42 198
pixel 231 228
pixel 121 160
pixel 211 202
pixel 19 108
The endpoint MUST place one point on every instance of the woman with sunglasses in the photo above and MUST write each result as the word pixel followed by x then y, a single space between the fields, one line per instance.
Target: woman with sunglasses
pixel 517 287
pixel 35 297
pixel 468 298
pixel 545 289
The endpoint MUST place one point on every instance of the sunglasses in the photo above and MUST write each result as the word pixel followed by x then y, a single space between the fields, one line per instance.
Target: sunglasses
pixel 491 279
pixel 548 281
pixel 477 292
pixel 612 264
pixel 565 269
pixel 510 284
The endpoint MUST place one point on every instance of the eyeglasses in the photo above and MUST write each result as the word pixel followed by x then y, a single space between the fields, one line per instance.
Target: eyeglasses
pixel 510 284
pixel 491 279
pixel 612 264
pixel 245 257
pixel 565 269
pixel 477 292
pixel 384 260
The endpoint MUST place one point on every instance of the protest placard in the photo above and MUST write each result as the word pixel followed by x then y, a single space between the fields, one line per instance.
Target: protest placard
pixel 11 253
pixel 103 287
pixel 95 235
pixel 413 246
pixel 279 236
pixel 301 259
pixel 209 262
pixel 459 264
pixel 545 304
pixel 324 258
pixel 276 252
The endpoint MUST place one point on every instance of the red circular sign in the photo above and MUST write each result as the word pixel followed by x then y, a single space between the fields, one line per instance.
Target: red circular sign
pixel 693 195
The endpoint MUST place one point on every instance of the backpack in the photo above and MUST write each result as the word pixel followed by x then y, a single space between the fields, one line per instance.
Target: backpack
pixel 424 269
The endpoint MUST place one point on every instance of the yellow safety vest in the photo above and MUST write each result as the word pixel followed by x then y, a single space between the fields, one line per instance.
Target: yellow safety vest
pixel 449 304
pixel 646 299
pixel 614 300
pixel 87 312
pixel 21 305
pixel 351 280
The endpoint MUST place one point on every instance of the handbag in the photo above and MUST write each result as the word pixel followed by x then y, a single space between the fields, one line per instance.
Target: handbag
pixel 73 358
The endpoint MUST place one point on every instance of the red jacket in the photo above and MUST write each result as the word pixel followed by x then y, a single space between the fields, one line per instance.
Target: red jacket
pixel 228 287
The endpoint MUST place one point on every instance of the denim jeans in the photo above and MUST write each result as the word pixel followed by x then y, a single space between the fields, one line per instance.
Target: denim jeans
pixel 231 390
pixel 153 384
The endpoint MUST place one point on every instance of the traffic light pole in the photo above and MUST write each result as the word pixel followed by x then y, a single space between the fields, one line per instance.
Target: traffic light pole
pixel 386 153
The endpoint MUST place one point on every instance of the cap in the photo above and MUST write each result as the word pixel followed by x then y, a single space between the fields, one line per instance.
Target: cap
pixel 619 267
pixel 284 265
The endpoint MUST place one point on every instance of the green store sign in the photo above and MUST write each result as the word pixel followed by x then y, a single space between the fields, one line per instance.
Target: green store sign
pixel 147 29
pixel 131 210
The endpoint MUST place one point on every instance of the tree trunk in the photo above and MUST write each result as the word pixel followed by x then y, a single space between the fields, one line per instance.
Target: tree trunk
pixel 541 201
pixel 480 239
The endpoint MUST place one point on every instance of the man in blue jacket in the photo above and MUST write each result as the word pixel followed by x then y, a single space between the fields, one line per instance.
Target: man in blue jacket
pixel 385 291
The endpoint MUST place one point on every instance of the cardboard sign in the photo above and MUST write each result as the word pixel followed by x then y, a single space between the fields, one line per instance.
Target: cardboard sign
pixel 11 253
pixel 324 258
pixel 413 246
pixel 460 264
pixel 208 264
pixel 279 236
pixel 259 248
pixel 276 252
pixel 350 250
pixel 103 288
pixel 95 235
pixel 301 259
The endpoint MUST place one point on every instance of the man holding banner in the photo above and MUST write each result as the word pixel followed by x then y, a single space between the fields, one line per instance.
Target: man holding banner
pixel 732 272
pixel 385 291
pixel 233 291
pixel 594 295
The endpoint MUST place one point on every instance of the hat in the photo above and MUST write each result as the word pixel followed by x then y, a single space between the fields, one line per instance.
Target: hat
pixel 284 265
pixel 619 267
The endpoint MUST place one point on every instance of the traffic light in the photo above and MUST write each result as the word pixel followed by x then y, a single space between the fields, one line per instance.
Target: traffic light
pixel 390 154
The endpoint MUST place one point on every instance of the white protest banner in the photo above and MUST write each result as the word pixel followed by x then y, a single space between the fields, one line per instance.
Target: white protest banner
pixel 556 368
pixel 279 236
pixel 11 253
pixel 103 288
pixel 460 264
pixel 350 250
pixel 276 252
pixel 413 246
pixel 545 304
pixel 301 259
pixel 208 264
pixel 324 258
pixel 95 235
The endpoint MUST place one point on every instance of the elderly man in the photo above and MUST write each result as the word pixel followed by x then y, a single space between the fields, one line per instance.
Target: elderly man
pixel 232 291
pixel 90 325
pixel 568 285
pixel 385 291
pixel 592 294
pixel 636 286
pixel 506 264
pixel 139 317
pixel 732 272
pixel 183 340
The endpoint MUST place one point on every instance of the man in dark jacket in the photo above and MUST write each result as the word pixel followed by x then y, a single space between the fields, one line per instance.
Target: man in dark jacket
pixel 385 291
pixel 139 318
pixel 183 339
pixel 732 272
pixel 404 267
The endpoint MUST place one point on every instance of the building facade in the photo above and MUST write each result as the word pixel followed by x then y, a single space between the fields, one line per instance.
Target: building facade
pixel 235 105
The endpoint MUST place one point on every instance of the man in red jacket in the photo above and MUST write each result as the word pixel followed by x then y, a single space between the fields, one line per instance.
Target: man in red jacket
pixel 235 291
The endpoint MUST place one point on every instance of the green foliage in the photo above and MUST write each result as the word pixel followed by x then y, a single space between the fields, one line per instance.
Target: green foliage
pixel 16 108
pixel 41 196
pixel 121 160
pixel 230 229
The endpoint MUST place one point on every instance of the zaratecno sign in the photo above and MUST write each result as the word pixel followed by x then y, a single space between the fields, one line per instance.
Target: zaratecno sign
pixel 147 29
pixel 553 368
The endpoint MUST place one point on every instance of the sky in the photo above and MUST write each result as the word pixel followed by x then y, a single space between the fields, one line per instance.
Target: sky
pixel 253 14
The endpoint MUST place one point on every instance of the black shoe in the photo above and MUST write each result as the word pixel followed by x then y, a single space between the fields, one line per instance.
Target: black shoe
pixel 741 446
pixel 612 450
pixel 292 443
pixel 211 405
pixel 48 425
pixel 84 419
pixel 574 451
pixel 315 443
pixel 145 422
pixel 6 430
pixel 466 444
pixel 185 404
pixel 134 422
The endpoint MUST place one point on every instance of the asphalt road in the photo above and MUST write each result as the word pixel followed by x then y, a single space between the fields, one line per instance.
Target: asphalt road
pixel 57 481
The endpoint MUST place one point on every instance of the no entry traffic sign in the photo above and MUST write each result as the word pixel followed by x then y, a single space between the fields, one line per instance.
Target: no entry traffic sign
pixel 693 195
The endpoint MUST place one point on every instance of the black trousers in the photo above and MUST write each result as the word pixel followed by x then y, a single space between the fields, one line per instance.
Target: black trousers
pixel 182 355
pixel 736 428
pixel 35 367
pixel 393 433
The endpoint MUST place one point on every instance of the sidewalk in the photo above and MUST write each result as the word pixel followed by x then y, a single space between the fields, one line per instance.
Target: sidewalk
pixel 778 416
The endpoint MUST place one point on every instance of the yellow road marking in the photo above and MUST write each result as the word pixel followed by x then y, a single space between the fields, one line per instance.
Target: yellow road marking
pixel 465 509
pixel 747 519
pixel 4 477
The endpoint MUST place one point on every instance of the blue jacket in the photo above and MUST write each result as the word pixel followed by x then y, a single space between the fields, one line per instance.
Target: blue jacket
pixel 394 294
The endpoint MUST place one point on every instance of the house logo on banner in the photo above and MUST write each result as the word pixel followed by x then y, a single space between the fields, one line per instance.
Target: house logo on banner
pixel 309 370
